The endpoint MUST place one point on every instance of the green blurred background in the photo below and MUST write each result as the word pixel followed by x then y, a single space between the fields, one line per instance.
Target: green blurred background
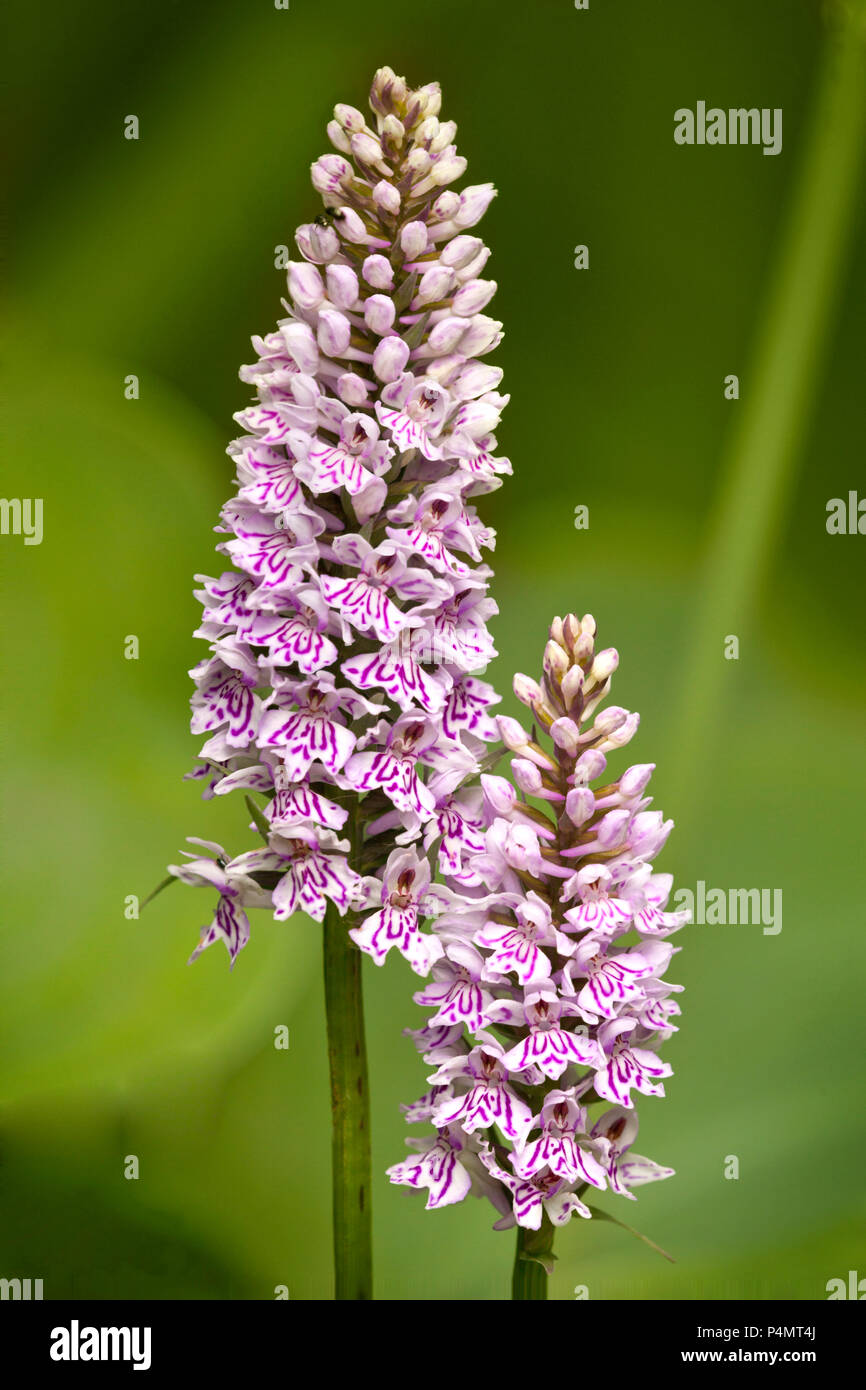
pixel 707 518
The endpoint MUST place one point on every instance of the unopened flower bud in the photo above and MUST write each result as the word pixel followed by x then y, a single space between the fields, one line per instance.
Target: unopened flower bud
pixel 513 735
pixel 476 419
pixel 605 664
pixel 477 378
pixel 611 829
pixel 473 270
pixel 589 766
pixel 443 137
pixel 579 805
pixel 330 172
pixel 352 389
pixel 461 251
pixel 338 137
pixel 333 333
pixel 526 689
pixel 500 794
pixel 393 130
pixel 418 164
pixel 379 314
pixel 474 202
pixel 624 733
pixel 399 91
pixel 315 243
pixel 301 345
pixel 648 833
pixel 378 272
pixel 482 335
pixel 390 358
pixel 352 228
pixel 522 850
pixel 367 149
pixel 555 661
pixel 413 240
pixel 609 719
pixel 446 205
pixel 474 297
pixel 445 370
pixel 570 631
pixel 566 736
pixel 446 169
pixel 305 285
pixel 434 285
pixel 381 92
pixel 430 98
pixel 305 390
pixel 446 334
pixel 341 283
pixel 634 780
pixel 572 685
pixel 349 117
pixel 386 197
pixel 527 776
pixel 426 131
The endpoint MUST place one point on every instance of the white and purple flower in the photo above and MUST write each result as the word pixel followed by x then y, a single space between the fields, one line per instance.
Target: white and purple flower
pixel 345 636
pixel 549 997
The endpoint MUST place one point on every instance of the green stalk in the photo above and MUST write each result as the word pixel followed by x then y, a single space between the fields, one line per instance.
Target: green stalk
pixel 350 1109
pixel 529 1279
pixel 780 388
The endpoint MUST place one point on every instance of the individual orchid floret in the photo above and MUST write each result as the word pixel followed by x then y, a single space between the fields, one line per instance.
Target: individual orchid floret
pixel 237 891
pixel 484 1097
pixel 549 997
pixel 341 691
pixel 407 898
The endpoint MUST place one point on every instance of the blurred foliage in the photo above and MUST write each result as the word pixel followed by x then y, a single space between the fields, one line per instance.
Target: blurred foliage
pixel 156 257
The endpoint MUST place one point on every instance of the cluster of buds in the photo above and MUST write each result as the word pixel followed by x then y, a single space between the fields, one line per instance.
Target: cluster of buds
pixel 547 997
pixel 343 640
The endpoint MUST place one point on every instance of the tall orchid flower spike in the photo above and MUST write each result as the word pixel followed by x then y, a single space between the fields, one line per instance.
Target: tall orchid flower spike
pixel 549 998
pixel 352 608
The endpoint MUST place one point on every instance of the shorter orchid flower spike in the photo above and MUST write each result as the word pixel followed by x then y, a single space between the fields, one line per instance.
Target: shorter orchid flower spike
pixel 550 1000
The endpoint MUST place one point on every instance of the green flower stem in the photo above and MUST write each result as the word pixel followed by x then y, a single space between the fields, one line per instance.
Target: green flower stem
pixel 350 1111
pixel 529 1279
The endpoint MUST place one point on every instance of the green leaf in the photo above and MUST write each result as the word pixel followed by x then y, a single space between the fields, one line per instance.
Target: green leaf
pixel 406 293
pixel 545 1258
pixel 606 1216
pixel 413 337
pixel 169 878
pixel 261 823
pixel 492 756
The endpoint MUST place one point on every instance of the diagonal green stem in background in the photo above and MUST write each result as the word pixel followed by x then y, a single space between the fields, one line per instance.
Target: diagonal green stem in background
pixel 350 1112
pixel 779 391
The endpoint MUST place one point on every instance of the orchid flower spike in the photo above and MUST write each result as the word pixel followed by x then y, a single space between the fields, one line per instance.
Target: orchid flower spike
pixel 348 624
pixel 548 1001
